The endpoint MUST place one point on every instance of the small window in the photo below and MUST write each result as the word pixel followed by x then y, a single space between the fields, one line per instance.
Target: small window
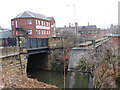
pixel 36 22
pixel 39 22
pixel 42 22
pixel 42 32
pixel 36 31
pixel 47 32
pixel 12 23
pixel 29 22
pixel 49 23
pixel 95 32
pixel 39 31
pixel 29 31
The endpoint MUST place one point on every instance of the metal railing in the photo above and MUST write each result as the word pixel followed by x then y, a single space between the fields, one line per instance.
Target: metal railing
pixel 36 42
pixel 7 42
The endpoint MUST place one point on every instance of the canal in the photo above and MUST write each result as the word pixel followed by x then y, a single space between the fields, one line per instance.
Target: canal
pixel 73 79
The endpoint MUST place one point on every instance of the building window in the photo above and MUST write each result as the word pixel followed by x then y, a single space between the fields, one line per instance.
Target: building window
pixel 49 23
pixel 42 32
pixel 47 32
pixel 36 22
pixel 36 31
pixel 90 32
pixel 95 32
pixel 39 22
pixel 29 22
pixel 39 31
pixel 16 24
pixel 29 31
pixel 12 23
pixel 42 23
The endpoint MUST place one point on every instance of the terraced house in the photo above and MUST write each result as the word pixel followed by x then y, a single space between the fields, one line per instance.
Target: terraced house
pixel 33 25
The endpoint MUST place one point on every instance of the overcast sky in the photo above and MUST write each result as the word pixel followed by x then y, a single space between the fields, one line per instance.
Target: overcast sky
pixel 98 12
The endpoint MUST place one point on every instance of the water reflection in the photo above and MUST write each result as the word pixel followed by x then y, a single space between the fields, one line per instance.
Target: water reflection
pixel 77 80
pixel 73 79
pixel 54 78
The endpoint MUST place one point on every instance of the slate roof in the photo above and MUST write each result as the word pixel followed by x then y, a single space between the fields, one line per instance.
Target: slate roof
pixel 28 14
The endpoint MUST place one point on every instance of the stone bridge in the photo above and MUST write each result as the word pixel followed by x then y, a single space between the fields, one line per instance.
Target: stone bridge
pixel 27 55
pixel 49 56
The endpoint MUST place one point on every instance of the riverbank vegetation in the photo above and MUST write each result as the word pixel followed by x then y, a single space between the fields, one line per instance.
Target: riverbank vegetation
pixel 105 67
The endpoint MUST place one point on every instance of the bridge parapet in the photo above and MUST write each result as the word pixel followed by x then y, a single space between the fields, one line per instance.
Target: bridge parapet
pixel 55 42
pixel 59 42
pixel 9 51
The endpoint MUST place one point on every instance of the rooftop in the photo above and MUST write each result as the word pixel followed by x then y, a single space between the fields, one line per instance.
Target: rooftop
pixel 28 14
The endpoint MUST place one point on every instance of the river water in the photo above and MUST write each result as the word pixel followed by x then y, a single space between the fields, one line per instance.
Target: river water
pixel 73 79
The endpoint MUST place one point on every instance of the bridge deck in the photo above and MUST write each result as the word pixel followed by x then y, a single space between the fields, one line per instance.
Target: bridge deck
pixel 30 49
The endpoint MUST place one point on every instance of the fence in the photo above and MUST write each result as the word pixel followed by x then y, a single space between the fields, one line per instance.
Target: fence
pixel 36 42
pixel 7 42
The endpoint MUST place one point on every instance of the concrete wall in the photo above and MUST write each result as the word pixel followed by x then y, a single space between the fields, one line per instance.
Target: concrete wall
pixel 75 55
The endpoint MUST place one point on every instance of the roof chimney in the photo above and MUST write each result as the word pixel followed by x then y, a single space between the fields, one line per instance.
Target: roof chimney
pixel 69 24
pixel 88 23
pixel 76 27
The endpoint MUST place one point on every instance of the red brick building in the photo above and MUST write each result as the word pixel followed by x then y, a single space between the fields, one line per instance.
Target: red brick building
pixel 33 25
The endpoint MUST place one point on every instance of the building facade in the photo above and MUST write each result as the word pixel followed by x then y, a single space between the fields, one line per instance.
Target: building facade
pixel 33 25
pixel 90 32
pixel 86 33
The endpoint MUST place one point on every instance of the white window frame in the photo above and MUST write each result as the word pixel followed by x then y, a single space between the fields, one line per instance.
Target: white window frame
pixel 39 32
pixel 12 23
pixel 47 32
pixel 36 31
pixel 42 23
pixel 36 22
pixel 49 23
pixel 29 22
pixel 30 31
pixel 42 32
pixel 39 22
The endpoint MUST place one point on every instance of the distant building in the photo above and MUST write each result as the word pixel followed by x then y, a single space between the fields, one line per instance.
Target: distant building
pixel 59 30
pixel 90 32
pixel 5 33
pixel 33 25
